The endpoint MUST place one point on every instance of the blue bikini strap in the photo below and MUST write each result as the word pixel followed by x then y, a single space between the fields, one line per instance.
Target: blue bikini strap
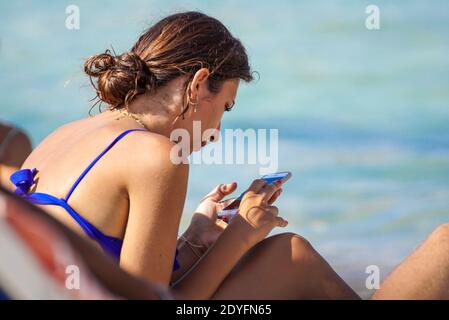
pixel 109 244
pixel 81 177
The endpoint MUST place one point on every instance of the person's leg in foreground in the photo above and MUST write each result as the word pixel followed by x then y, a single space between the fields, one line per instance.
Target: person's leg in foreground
pixel 424 274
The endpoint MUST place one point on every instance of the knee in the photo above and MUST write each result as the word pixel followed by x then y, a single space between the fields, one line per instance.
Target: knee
pixel 441 234
pixel 298 249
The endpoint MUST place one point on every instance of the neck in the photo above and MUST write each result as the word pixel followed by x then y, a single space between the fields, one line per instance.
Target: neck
pixel 157 111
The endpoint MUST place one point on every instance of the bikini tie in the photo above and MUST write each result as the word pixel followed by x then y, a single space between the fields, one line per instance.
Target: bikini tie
pixel 23 180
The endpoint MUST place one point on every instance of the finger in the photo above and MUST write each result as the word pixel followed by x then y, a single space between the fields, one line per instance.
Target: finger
pixel 273 210
pixel 256 185
pixel 220 191
pixel 269 190
pixel 229 188
pixel 275 196
pixel 280 222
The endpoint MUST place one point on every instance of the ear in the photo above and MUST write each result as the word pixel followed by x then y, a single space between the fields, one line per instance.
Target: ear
pixel 199 80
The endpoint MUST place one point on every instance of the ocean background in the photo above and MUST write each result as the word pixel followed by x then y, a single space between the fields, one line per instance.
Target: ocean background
pixel 363 116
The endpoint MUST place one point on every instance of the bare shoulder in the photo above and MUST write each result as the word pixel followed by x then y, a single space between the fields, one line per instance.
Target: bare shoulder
pixel 151 155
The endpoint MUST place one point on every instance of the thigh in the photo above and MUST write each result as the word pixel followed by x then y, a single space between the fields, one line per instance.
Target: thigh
pixel 283 267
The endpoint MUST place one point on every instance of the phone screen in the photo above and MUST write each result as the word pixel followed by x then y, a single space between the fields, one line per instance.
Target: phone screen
pixel 269 178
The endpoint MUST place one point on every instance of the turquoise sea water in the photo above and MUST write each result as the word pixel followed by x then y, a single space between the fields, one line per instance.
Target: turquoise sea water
pixel 363 116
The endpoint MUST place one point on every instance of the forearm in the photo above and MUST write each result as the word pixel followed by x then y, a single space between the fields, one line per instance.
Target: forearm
pixel 209 272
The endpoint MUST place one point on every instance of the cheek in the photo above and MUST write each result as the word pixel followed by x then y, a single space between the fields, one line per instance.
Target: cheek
pixel 210 123
pixel 218 117
pixel 211 118
pixel 218 114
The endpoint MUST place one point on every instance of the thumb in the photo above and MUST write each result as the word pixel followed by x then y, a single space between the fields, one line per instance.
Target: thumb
pixel 221 191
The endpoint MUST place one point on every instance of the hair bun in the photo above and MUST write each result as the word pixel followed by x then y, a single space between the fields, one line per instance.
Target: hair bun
pixel 96 65
pixel 120 78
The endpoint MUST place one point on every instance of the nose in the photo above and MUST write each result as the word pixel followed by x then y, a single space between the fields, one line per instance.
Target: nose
pixel 216 135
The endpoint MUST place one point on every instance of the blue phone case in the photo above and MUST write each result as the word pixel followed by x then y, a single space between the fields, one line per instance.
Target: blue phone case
pixel 270 178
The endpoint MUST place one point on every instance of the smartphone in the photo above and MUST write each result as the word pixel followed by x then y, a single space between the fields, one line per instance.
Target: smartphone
pixel 232 208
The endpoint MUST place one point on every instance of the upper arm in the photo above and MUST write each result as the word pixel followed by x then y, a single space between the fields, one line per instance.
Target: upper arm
pixel 17 150
pixel 157 190
pixel 13 157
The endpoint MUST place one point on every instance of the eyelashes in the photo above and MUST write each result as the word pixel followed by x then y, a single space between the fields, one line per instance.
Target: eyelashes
pixel 227 108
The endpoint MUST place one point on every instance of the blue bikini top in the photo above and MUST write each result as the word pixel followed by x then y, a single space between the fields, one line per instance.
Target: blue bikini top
pixel 24 180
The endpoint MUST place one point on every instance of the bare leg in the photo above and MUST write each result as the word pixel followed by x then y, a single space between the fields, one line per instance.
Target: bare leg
pixel 424 274
pixel 284 266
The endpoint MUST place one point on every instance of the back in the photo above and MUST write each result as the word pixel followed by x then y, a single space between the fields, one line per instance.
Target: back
pixel 63 156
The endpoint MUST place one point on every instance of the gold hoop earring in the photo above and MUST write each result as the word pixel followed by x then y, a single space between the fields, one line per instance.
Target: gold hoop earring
pixel 195 104
pixel 190 103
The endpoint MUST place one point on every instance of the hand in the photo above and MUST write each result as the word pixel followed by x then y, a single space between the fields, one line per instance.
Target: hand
pixel 257 217
pixel 205 227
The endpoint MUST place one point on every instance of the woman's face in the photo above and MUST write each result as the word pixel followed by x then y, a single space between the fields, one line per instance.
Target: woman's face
pixel 203 119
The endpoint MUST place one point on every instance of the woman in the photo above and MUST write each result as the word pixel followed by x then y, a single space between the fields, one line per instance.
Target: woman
pixel 129 200
pixel 130 194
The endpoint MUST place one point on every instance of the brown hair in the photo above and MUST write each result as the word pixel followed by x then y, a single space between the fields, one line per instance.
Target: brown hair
pixel 179 44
